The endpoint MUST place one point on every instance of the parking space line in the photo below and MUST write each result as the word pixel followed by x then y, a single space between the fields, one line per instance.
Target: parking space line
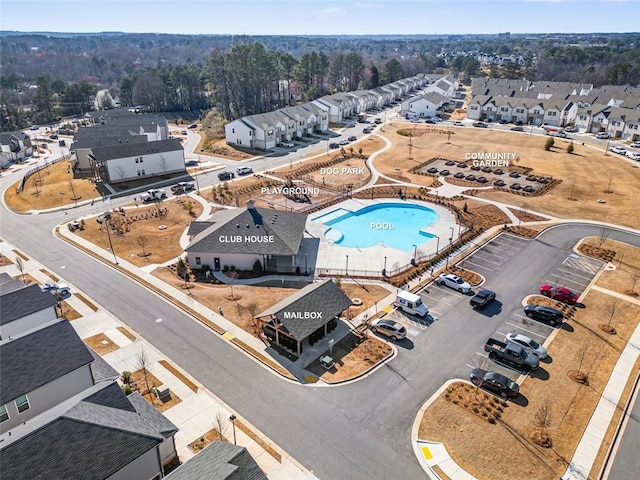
pixel 446 290
pixel 482 354
pixel 565 279
pixel 437 300
pixel 469 262
pixel 470 366
pixel 492 254
pixel 504 246
pixel 488 261
pixel 529 331
pixel 504 238
pixel 556 283
pixel 573 274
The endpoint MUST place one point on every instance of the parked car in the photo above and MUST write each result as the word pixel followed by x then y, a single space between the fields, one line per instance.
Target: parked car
pixel 541 312
pixel 287 144
pixel 193 125
pixel 389 328
pixel 514 175
pixel 633 155
pixel 483 298
pixel 153 194
pixel 458 124
pixel 353 138
pixel 225 176
pixel 367 130
pixel 603 135
pixel 561 294
pixel 512 353
pixel 53 136
pixel 528 343
pixel 57 289
pixel 449 163
pixel 459 175
pixel 34 127
pixel 462 165
pixel 571 129
pixel 618 149
pixel 480 125
pixel 517 129
pixel 471 177
pixel 498 171
pixel 377 121
pixel 635 145
pixel 453 281
pixel 519 122
pixel 444 173
pixel 494 382
pixel 515 186
pixel 437 119
pixel 433 170
pixel 183 132
pixel 482 180
pixel 503 121
pixel 499 183
pixel 430 120
pixel 344 141
pixel 182 187
pixel 244 170
pixel 528 189
pixel 334 145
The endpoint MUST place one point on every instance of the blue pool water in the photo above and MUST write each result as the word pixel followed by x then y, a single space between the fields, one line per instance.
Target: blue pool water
pixel 396 225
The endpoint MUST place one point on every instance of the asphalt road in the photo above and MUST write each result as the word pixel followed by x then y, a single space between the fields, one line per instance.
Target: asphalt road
pixel 358 431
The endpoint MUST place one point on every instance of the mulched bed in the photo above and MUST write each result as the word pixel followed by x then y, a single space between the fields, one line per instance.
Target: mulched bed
pixel 603 254
pixel 522 231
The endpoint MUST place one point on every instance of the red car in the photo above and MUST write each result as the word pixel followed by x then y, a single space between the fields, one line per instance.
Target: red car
pixel 561 294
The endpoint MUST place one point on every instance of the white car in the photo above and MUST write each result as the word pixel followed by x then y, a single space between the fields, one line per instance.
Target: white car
pixel 437 119
pixel 618 149
pixel 58 289
pixel 635 145
pixel 344 141
pixel 531 345
pixel 603 135
pixel 453 281
pixel 458 124
pixel 287 144
pixel 633 155
pixel 390 328
pixel 244 170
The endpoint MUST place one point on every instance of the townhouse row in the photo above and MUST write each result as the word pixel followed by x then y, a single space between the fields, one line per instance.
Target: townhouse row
pixel 268 130
pixel 612 109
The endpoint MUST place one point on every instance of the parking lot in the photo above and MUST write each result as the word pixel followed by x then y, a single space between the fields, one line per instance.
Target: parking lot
pixel 486 176
pixel 495 262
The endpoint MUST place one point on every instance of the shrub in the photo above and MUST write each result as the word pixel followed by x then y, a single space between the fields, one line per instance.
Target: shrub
pixel 548 144
pixel 491 420
pixel 570 148
pixel 465 209
pixel 126 389
pixel 257 267
pixel 125 377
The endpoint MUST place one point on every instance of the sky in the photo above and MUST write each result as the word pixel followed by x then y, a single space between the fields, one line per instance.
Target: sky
pixel 321 17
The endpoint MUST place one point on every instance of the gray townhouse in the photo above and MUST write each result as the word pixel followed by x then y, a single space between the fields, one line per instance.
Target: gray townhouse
pixel 14 147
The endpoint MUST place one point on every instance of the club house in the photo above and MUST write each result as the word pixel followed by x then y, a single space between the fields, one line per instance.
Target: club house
pixel 305 317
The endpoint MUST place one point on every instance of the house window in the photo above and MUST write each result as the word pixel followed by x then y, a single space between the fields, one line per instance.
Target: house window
pixel 4 415
pixel 233 130
pixel 143 172
pixel 141 159
pixel 198 261
pixel 22 404
pixel 138 172
pixel 136 160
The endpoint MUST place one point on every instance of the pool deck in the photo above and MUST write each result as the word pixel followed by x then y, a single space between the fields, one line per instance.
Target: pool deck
pixel 333 258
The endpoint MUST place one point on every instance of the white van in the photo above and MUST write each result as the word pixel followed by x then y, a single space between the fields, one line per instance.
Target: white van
pixel 411 303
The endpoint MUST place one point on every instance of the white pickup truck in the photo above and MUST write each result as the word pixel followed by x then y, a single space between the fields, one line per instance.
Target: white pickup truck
pixel 153 194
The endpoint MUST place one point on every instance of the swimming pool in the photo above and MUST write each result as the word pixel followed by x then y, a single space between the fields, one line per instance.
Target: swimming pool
pixel 397 225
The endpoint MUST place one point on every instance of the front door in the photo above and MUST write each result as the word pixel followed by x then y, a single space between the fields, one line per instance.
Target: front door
pixel 216 264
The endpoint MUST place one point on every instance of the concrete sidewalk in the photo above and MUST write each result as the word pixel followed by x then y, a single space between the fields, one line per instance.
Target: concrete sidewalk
pixel 198 408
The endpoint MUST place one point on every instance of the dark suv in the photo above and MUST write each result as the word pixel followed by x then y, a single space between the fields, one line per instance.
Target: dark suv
pixel 483 298
pixel 547 314
pixel 499 384
pixel 225 176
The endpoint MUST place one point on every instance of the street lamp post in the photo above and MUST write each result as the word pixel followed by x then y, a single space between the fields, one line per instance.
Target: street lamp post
pixel 346 269
pixel 450 245
pixel 384 269
pixel 62 201
pixel 232 419
pixel 415 253
pixel 306 268
pixel 437 244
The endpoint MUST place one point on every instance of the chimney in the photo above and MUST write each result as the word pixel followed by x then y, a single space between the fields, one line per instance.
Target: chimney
pixel 251 205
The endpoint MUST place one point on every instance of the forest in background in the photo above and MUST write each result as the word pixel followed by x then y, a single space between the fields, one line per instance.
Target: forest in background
pixel 44 77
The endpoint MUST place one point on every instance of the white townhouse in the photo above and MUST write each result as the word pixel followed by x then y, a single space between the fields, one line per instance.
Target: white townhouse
pixel 321 117
pixel 553 114
pixel 504 108
pixel 365 100
pixel 535 111
pixel 446 86
pixel 423 105
pixel 474 111
pixel 396 90
pixel 631 132
pixel 384 96
pixel 591 119
pixel 134 161
pixel 303 121
pixel 240 132
pixel 340 106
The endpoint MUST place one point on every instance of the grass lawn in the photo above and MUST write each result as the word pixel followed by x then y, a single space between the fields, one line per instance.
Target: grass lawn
pixel 626 278
pixel 490 451
pixel 160 245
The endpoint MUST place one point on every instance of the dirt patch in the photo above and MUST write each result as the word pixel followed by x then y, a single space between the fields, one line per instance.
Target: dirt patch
pixel 43 190
pixel 472 278
pixel 480 215
pixel 252 298
pixel 369 294
pixel 625 278
pixel 68 312
pixel 523 231
pixel 204 440
pixel 259 440
pixel 137 383
pixel 353 356
pixel 21 255
pixel 127 333
pixel 4 261
pixel 603 254
pixel 101 344
pixel 145 230
pixel 177 373
pixel 524 216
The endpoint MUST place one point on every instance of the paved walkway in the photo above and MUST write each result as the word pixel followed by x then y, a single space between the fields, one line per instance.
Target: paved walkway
pixel 198 408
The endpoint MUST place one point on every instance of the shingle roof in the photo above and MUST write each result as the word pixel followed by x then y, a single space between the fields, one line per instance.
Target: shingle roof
pixel 30 361
pixel 18 303
pixel 9 284
pixel 325 298
pixel 158 421
pixel 86 439
pixel 102 154
pixel 107 141
pixel 286 228
pixel 220 461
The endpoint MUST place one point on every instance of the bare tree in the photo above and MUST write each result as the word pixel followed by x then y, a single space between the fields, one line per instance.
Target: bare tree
pixel 220 424
pixel 20 266
pixel 142 242
pixel 232 276
pixel 252 308
pixel 582 354
pixel 73 193
pixel 542 420
pixel 612 308
pixel 636 276
pixel 604 234
pixel 143 363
